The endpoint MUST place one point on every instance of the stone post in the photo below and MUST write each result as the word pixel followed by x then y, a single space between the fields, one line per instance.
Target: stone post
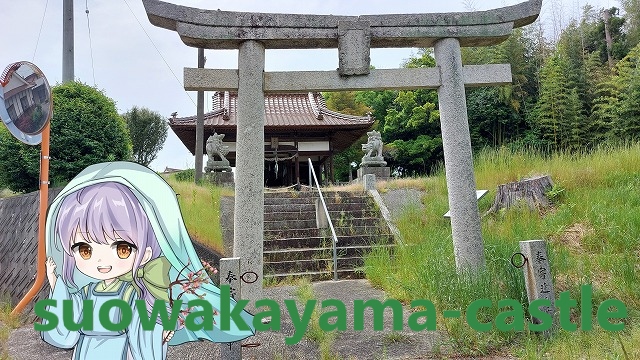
pixel 227 205
pixel 249 201
pixel 537 275
pixel 199 125
pixel 456 141
pixel 230 275
pixel 321 218
pixel 369 182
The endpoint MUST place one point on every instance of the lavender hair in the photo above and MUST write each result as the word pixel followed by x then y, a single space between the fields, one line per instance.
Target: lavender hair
pixel 101 211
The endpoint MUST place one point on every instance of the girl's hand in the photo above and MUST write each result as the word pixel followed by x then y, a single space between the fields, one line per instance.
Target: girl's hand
pixel 167 335
pixel 51 274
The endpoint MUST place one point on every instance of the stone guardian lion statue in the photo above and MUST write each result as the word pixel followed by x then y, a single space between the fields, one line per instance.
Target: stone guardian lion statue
pixel 374 144
pixel 216 148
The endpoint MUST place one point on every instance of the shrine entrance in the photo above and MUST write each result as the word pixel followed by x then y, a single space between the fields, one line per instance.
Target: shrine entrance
pixel 280 167
pixel 353 36
pixel 298 127
pixel 286 171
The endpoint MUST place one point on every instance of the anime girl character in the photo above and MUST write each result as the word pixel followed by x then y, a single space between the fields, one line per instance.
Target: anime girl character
pixel 116 232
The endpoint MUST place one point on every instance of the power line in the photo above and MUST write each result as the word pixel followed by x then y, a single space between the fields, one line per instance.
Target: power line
pixel 93 70
pixel 159 53
pixel 40 32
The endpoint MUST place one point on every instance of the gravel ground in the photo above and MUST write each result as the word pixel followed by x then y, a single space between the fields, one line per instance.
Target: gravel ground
pixel 397 200
pixel 24 343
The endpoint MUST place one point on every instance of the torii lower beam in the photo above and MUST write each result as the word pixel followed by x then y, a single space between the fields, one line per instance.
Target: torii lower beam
pixel 196 79
pixel 446 77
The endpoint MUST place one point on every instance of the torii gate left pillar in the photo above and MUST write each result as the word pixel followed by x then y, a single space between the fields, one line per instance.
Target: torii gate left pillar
pixel 248 217
pixel 353 36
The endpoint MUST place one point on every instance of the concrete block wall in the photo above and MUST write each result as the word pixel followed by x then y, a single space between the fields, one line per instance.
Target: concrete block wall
pixel 18 246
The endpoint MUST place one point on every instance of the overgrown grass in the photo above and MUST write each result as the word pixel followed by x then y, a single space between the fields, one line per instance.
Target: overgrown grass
pixel 383 185
pixel 401 183
pixel 593 236
pixel 4 337
pixel 8 322
pixel 5 193
pixel 324 340
pixel 200 207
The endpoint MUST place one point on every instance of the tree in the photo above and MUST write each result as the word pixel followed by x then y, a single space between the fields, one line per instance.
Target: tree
pixel 18 163
pixel 379 102
pixel 559 115
pixel 347 102
pixel 628 126
pixel 416 156
pixel 492 121
pixel 497 114
pixel 519 50
pixel 85 129
pixel 409 123
pixel 412 126
pixel 148 131
pixel 632 13
pixel 616 110
pixel 553 104
pixel 596 33
pixel 605 105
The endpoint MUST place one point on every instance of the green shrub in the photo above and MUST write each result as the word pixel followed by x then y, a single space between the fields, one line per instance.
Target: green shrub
pixel 186 175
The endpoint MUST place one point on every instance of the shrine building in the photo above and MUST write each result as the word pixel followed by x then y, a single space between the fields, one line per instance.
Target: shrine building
pixel 298 126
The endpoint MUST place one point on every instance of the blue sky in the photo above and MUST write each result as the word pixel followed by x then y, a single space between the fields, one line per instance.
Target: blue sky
pixel 138 64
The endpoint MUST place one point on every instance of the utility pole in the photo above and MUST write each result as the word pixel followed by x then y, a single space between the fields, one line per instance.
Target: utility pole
pixel 67 41
pixel 199 124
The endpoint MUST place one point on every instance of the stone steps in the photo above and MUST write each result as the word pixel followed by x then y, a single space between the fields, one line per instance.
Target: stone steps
pixel 371 229
pixel 309 242
pixel 310 223
pixel 315 265
pixel 306 254
pixel 312 194
pixel 335 215
pixel 311 207
pixel 316 275
pixel 295 247
pixel 305 200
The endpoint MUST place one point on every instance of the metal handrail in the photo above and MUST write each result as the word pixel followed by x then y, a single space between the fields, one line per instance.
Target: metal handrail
pixel 326 212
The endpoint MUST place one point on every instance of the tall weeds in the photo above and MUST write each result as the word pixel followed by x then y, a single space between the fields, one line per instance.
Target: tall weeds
pixel 593 237
pixel 200 207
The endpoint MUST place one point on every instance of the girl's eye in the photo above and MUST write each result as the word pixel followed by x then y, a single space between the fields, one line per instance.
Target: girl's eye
pixel 123 250
pixel 84 251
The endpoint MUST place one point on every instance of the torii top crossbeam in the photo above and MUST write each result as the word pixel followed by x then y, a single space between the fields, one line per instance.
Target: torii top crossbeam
pixel 216 29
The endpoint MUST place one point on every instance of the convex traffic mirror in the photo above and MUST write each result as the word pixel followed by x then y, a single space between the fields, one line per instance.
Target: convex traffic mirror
pixel 25 101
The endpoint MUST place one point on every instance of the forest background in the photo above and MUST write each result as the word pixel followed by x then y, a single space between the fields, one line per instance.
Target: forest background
pixel 568 94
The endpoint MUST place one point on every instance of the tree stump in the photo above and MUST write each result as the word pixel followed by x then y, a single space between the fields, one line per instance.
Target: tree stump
pixel 532 192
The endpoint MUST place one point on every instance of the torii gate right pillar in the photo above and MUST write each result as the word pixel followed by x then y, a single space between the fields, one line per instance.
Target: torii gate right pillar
pixel 458 159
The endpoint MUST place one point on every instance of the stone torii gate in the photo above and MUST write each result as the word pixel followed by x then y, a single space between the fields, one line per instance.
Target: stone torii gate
pixel 354 36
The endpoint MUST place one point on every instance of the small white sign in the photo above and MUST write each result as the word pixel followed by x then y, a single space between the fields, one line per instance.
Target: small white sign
pixel 479 195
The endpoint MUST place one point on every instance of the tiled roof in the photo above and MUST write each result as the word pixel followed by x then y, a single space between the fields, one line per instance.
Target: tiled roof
pixel 301 110
pixel 303 115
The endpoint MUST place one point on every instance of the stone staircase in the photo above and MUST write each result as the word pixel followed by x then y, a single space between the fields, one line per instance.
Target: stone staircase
pixel 295 247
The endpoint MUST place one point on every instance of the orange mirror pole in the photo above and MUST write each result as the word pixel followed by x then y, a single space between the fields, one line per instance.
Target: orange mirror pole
pixel 44 200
